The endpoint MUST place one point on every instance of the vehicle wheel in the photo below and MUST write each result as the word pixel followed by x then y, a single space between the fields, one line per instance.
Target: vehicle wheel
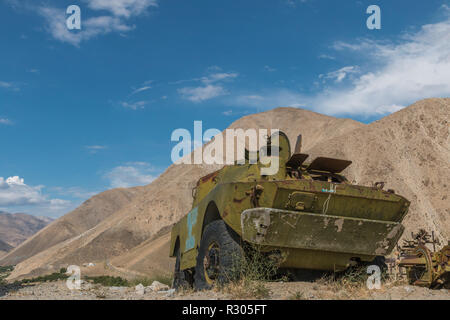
pixel 219 256
pixel 380 261
pixel 181 278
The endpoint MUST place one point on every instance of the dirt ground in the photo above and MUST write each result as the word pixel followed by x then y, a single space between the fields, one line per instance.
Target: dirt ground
pixel 275 291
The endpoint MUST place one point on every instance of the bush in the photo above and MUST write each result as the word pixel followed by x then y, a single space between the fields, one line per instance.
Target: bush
pixel 56 276
pixel 6 269
pixel 251 273
pixel 257 265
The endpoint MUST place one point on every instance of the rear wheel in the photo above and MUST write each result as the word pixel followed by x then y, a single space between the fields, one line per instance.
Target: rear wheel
pixel 182 279
pixel 219 256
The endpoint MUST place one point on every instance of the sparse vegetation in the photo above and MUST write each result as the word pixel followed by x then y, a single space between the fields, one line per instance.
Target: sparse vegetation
pixel 56 276
pixel 247 289
pixel 109 281
pixel 257 265
pixel 251 274
pixel 4 273
pixel 5 269
pixel 298 296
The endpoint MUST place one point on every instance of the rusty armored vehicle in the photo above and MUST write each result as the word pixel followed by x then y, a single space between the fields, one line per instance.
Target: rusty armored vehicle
pixel 308 214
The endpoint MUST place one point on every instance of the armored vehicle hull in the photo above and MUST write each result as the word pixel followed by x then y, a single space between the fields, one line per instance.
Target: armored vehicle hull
pixel 309 215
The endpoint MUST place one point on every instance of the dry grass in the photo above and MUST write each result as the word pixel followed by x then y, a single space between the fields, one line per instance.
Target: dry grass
pixel 352 284
pixel 166 279
pixel 250 275
pixel 246 289
pixel 298 296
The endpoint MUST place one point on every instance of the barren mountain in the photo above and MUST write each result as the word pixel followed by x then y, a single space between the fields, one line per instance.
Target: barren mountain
pixel 409 150
pixel 4 248
pixel 73 224
pixel 16 228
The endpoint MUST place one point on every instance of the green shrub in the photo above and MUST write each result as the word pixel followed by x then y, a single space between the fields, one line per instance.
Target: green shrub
pixel 6 269
pixel 56 276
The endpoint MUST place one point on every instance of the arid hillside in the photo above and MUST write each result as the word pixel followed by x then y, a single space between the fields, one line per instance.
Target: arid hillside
pixel 16 228
pixel 73 224
pixel 410 152
pixel 4 248
pixel 127 228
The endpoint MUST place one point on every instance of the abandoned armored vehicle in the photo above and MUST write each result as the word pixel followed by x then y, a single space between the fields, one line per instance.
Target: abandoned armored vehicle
pixel 308 214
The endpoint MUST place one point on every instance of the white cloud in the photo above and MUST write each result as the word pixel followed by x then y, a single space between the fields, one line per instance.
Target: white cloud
pixel 95 148
pixel 326 56
pixel 5 121
pixel 115 14
pixel 9 86
pixel 215 77
pixel 269 69
pixel 134 105
pixel 415 68
pixel 145 88
pixel 212 85
pixel 340 74
pixel 6 85
pixel 14 192
pixel 122 8
pixel 293 3
pixel 203 93
pixel 91 27
pixel 130 175
pixel 396 74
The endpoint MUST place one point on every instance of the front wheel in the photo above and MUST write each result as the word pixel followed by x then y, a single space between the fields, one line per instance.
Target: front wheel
pixel 219 256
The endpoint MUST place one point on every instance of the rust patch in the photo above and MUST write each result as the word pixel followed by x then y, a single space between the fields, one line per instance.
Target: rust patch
pixel 339 223
pixel 210 176
pixel 239 200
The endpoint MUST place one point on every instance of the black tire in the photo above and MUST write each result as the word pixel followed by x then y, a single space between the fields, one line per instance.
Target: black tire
pixel 221 252
pixel 182 279
pixel 380 261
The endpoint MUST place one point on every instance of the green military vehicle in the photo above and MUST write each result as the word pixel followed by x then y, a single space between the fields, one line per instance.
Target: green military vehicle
pixel 308 214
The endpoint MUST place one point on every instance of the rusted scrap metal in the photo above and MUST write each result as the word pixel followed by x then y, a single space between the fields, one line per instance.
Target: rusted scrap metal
pixel 424 266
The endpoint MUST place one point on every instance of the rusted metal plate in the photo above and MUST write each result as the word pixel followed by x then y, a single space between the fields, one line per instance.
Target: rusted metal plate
pixel 297 160
pixel 292 229
pixel 329 164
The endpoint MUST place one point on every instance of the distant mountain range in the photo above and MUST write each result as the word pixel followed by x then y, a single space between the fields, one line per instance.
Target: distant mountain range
pixel 15 228
pixel 4 248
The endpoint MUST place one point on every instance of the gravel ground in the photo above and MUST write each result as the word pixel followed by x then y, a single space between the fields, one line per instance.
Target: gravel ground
pixel 276 290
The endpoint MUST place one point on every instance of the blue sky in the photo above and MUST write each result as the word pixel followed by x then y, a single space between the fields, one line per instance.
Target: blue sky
pixel 84 111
